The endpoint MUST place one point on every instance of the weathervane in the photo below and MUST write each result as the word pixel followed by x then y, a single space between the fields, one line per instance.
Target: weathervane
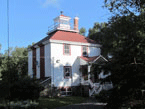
pixel 61 12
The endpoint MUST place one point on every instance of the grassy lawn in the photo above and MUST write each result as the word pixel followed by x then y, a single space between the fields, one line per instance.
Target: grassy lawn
pixel 51 103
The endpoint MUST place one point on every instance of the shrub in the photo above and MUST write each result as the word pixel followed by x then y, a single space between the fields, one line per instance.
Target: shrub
pixel 25 89
pixel 76 91
pixel 50 92
pixel 103 96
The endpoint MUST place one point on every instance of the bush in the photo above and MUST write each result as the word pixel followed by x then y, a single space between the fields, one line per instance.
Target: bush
pixel 25 89
pixel 103 96
pixel 76 91
pixel 50 92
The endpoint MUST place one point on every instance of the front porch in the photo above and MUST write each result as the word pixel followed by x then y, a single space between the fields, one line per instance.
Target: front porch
pixel 93 78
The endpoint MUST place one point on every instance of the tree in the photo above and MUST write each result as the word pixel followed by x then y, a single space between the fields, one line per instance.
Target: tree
pixel 14 66
pixel 15 83
pixel 82 31
pixel 101 34
pixel 125 7
pixel 25 86
pixel 128 49
pixel 19 56
pixel 127 46
pixel 31 45
pixel 95 33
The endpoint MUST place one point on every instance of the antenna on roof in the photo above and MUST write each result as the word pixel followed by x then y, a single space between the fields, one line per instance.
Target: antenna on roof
pixel 61 12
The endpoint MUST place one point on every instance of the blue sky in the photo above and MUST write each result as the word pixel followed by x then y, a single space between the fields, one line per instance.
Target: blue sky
pixel 29 19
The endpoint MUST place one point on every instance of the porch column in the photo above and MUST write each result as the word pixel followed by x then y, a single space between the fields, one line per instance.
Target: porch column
pixel 89 69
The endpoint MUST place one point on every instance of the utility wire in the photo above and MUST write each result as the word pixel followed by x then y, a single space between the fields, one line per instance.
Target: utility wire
pixel 8 48
pixel 8 25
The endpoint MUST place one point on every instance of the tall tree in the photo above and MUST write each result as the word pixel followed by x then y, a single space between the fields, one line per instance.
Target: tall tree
pixel 95 32
pixel 19 58
pixel 128 47
pixel 125 7
pixel 82 31
pixel 15 81
pixel 99 33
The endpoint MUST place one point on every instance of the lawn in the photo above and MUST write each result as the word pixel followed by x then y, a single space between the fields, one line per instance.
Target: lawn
pixel 51 103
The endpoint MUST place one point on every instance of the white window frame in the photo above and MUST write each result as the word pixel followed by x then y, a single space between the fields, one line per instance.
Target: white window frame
pixel 84 49
pixel 66 49
pixel 64 71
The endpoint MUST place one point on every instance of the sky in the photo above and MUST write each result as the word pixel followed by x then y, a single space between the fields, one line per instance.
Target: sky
pixel 29 19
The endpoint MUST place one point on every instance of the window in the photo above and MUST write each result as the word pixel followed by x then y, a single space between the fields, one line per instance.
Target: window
pixel 66 49
pixel 67 91
pixel 67 71
pixel 64 22
pixel 84 51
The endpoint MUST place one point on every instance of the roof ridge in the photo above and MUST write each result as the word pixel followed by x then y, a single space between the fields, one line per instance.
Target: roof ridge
pixel 66 36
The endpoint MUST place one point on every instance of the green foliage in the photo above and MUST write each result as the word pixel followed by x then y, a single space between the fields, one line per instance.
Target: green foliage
pixel 15 83
pixel 31 45
pixel 82 31
pixel 124 38
pixel 126 43
pixel 25 86
pixel 99 33
pixel 96 33
pixel 127 64
pixel 104 95
pixel 125 7
pixel 17 61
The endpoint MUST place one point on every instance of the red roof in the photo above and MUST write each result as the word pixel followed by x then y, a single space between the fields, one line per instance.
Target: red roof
pixel 71 36
pixel 63 16
pixel 66 36
pixel 89 59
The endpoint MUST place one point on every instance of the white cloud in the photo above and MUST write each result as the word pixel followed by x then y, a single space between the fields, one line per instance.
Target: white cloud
pixel 46 3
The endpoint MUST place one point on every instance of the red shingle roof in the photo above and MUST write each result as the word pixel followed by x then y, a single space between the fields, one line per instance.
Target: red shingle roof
pixel 66 36
pixel 71 36
pixel 89 59
pixel 63 16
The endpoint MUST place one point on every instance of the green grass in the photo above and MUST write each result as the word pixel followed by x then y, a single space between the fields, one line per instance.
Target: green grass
pixel 51 103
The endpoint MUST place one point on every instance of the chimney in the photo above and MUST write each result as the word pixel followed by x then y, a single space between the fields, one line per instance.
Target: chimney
pixel 76 23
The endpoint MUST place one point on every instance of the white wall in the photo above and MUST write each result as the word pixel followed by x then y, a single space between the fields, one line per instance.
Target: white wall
pixel 30 58
pixel 38 60
pixel 65 60
pixel 94 51
pixel 54 69
pixel 47 60
pixel 68 60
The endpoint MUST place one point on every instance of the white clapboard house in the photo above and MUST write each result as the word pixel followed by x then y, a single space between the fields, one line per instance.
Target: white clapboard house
pixel 62 54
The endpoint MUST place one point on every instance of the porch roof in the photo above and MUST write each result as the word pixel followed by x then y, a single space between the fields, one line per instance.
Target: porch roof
pixel 95 59
pixel 89 59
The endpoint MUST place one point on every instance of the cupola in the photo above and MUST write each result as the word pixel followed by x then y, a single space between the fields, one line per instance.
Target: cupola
pixel 62 22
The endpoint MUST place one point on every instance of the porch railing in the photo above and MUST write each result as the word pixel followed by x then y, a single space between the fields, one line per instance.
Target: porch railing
pixel 46 82
pixel 96 87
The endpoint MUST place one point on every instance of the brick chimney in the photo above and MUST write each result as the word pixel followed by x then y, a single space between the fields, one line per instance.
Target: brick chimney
pixel 76 24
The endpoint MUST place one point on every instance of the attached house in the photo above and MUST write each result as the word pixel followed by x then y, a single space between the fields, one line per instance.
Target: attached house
pixel 62 54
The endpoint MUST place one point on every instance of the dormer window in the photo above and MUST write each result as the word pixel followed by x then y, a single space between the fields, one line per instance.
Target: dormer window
pixel 84 51
pixel 66 49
